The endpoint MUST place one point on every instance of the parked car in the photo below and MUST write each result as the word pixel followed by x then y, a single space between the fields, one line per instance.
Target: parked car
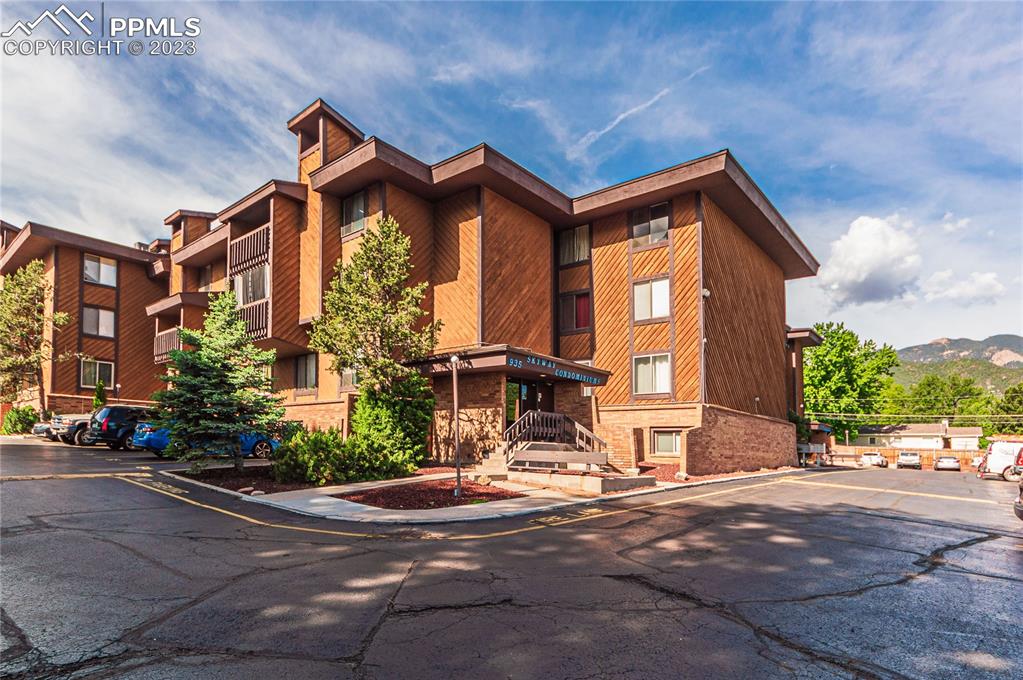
pixel 42 429
pixel 947 463
pixel 873 458
pixel 115 425
pixel 156 439
pixel 72 428
pixel 908 459
pixel 1017 507
pixel 1004 459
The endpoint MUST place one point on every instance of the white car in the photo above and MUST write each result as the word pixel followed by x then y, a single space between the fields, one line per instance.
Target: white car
pixel 1001 458
pixel 873 458
pixel 947 463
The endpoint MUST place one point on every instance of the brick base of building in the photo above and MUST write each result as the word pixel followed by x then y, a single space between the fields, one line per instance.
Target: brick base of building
pixel 628 430
pixel 481 400
pixel 728 441
pixel 323 415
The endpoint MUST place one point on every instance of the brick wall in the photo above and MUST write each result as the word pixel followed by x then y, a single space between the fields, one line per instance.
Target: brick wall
pixel 626 429
pixel 568 399
pixel 728 441
pixel 323 415
pixel 481 415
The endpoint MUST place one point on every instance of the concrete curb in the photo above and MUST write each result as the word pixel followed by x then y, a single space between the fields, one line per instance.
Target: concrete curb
pixel 365 516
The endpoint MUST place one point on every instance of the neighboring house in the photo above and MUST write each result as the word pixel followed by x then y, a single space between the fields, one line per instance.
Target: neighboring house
pixel 651 312
pixel 920 436
pixel 104 287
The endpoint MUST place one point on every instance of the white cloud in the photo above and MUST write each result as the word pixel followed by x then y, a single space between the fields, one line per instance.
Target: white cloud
pixel 977 287
pixel 578 150
pixel 949 223
pixel 876 260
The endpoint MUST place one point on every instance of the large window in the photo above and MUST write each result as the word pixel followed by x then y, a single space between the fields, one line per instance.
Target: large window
pixel 650 300
pixel 353 214
pixel 575 311
pixel 651 374
pixel 667 442
pixel 93 370
pixel 96 321
pixel 101 270
pixel 649 225
pixel 305 372
pixel 574 245
pixel 252 284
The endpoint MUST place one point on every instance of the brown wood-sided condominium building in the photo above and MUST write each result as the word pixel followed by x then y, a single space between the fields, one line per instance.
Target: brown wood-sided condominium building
pixel 104 288
pixel 651 312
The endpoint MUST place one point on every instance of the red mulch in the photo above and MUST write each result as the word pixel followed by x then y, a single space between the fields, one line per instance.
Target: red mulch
pixel 666 473
pixel 437 469
pixel 437 493
pixel 259 478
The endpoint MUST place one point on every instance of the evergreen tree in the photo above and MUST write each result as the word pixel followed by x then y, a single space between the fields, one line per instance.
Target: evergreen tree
pixel 99 396
pixel 25 331
pixel 1011 404
pixel 218 388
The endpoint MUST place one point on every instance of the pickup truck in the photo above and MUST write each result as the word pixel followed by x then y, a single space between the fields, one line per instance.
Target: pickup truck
pixel 72 428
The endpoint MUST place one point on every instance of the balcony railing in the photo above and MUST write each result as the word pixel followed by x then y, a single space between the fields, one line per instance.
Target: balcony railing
pixel 250 249
pixel 256 316
pixel 163 343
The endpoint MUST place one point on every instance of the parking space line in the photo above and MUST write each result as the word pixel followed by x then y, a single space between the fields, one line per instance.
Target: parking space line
pixel 74 475
pixel 854 487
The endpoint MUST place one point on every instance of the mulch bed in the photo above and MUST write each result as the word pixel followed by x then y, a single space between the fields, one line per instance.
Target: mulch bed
pixel 437 493
pixel 259 478
pixel 666 473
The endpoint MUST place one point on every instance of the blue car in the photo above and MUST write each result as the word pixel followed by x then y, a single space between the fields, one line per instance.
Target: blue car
pixel 156 439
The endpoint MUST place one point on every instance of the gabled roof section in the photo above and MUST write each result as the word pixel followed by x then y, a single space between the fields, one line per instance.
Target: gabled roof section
pixel 35 240
pixel 239 209
pixel 308 120
pixel 718 175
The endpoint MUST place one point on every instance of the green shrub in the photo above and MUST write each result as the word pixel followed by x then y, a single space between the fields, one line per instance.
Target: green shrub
pixel 19 420
pixel 326 457
pixel 398 421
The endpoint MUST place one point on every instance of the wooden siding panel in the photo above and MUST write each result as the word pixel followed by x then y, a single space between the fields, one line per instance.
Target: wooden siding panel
pixel 574 278
pixel 517 275
pixel 686 297
pixel 576 346
pixel 338 143
pixel 649 262
pixel 99 296
pixel 651 336
pixel 454 273
pixel 330 238
pixel 309 243
pixel 284 267
pixel 415 217
pixel 744 319
pixel 176 270
pixel 69 288
pixel 103 349
pixel 611 313
pixel 373 216
pixel 135 369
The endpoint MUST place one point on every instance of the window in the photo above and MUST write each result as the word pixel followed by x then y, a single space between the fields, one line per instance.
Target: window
pixel 872 441
pixel 651 374
pixel 574 245
pixel 575 311
pixel 587 390
pixel 252 284
pixel 93 370
pixel 305 372
pixel 96 321
pixel 101 270
pixel 667 442
pixel 650 300
pixel 649 225
pixel 206 278
pixel 349 378
pixel 353 214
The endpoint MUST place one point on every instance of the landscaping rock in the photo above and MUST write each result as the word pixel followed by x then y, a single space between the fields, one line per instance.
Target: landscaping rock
pixel 257 492
pixel 484 480
pixel 246 489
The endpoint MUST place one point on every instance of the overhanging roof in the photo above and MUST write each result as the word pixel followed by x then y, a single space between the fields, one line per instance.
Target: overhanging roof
pixel 178 214
pixel 517 361
pixel 35 240
pixel 718 175
pixel 308 120
pixel 245 208
pixel 209 247
pixel 807 335
pixel 172 304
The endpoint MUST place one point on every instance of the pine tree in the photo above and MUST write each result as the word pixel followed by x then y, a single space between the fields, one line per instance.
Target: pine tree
pixel 26 341
pixel 218 388
pixel 99 396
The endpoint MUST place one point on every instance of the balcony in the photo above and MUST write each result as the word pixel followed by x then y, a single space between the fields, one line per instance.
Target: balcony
pixel 250 249
pixel 163 343
pixel 257 319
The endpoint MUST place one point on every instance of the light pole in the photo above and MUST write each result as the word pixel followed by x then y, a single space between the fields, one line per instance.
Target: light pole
pixel 458 439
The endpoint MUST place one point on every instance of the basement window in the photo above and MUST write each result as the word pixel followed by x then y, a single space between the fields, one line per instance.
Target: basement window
pixel 667 443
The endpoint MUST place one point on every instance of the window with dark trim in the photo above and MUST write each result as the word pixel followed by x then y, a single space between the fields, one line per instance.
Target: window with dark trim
pixel 101 270
pixel 650 300
pixel 574 245
pixel 96 321
pixel 92 370
pixel 666 442
pixel 574 312
pixel 305 372
pixel 252 284
pixel 353 214
pixel 649 225
pixel 651 374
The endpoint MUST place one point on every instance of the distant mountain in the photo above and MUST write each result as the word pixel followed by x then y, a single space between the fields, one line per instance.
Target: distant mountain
pixel 988 375
pixel 1000 350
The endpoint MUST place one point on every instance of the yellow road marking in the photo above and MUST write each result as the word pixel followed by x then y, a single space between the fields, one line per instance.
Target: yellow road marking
pixel 76 475
pixel 964 499
pixel 561 521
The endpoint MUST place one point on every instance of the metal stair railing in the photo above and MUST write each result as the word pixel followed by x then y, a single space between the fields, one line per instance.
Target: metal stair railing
pixel 544 426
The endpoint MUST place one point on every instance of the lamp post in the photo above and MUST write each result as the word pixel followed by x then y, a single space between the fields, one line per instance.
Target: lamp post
pixel 458 439
pixel 117 391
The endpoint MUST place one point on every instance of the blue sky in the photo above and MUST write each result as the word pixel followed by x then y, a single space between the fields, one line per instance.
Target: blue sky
pixel 890 136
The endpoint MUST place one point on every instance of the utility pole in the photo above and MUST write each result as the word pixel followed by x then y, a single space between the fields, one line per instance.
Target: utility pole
pixel 458 439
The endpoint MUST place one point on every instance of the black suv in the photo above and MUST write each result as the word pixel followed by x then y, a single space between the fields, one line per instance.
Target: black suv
pixel 115 425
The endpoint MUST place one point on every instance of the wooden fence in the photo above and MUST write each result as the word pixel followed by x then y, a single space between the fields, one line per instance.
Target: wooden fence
pixel 845 455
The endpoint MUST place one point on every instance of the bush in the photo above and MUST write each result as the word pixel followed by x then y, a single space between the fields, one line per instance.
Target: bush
pixel 398 421
pixel 326 457
pixel 19 420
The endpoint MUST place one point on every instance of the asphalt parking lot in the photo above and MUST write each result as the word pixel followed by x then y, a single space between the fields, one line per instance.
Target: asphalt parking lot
pixel 860 573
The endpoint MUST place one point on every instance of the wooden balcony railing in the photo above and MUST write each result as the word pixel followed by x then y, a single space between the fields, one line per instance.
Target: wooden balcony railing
pixel 163 343
pixel 257 318
pixel 250 249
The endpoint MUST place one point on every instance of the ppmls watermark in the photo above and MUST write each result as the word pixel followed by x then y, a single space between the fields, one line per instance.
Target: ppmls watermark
pixel 110 35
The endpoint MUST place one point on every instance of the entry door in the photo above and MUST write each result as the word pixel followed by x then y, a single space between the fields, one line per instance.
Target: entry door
pixel 545 397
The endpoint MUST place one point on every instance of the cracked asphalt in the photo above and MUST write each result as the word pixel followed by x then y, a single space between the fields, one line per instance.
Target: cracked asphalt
pixel 838 574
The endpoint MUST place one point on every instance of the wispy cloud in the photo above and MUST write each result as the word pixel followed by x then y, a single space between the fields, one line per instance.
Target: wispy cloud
pixel 578 149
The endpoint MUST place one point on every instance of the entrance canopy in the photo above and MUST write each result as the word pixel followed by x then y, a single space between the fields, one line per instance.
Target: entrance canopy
pixel 514 361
